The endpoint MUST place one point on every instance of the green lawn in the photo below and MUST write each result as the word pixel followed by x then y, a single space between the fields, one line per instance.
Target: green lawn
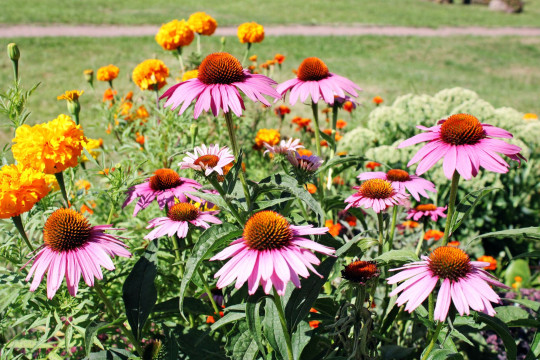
pixel 504 71
pixel 378 12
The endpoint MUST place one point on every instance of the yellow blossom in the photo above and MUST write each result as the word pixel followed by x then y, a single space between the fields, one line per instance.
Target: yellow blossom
pixel 174 34
pixel 202 23
pixel 191 74
pixel 269 136
pixel 83 184
pixel 150 74
pixel 70 95
pixel 91 145
pixel 250 33
pixel 107 73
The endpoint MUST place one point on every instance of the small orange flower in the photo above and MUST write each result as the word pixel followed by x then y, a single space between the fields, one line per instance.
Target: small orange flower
pixel 140 139
pixel 129 96
pixel 210 319
pixel 518 279
pixel 106 171
pixel 314 324
pixel 304 152
pixel 174 35
pixel 70 95
pixel 107 73
pixel 109 128
pixel 301 122
pixel 454 243
pixel 282 110
pixel 311 188
pixel 372 165
pixel 409 224
pixel 202 23
pixel 517 282
pixel 348 106
pixel 433 234
pixel 326 110
pixel 109 95
pixel 341 153
pixel 253 58
pixel 191 74
pixel 333 229
pixel 279 58
pixel 338 180
pixel 341 124
pixel 142 113
pixel 377 100
pixel 489 259
pixel 83 184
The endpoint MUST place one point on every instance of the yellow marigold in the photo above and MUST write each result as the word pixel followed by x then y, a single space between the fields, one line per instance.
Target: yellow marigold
pixel 269 136
pixel 107 73
pixel 530 117
pixel 70 95
pixel 91 145
pixel 250 33
pixel 51 147
pixel 202 23
pixel 253 58
pixel 142 113
pixel 52 182
pixel 174 34
pixel 150 74
pixel 83 184
pixel 20 188
pixel 191 74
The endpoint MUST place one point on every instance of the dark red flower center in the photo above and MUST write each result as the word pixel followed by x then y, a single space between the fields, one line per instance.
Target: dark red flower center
pixel 207 160
pixel 312 69
pixel 376 189
pixel 360 271
pixel 397 175
pixel 462 129
pixel 267 230
pixel 448 262
pixel 220 68
pixel 183 212
pixel 426 207
pixel 164 179
pixel 66 229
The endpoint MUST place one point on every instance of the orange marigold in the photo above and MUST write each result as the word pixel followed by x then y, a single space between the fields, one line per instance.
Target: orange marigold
pixel 20 188
pixel 341 124
pixel 51 147
pixel 250 33
pixel 83 184
pixel 142 113
pixel 409 224
pixel 311 188
pixel 140 139
pixel 269 136
pixel 433 234
pixel 70 95
pixel 378 100
pixel 202 23
pixel 489 259
pixel 109 95
pixel 282 110
pixel 174 34
pixel 253 58
pixel 333 229
pixel 151 74
pixel 279 58
pixel 372 165
pixel 348 106
pixel 304 152
pixel 108 73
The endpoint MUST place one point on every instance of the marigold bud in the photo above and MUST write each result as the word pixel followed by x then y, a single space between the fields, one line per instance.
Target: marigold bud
pixel 13 52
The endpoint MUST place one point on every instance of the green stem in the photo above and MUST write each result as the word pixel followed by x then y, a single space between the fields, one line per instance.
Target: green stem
pixel 246 54
pixel 111 213
pixel 360 296
pixel 433 340
pixel 236 151
pixel 281 314
pixel 17 221
pixel 180 60
pixel 451 207
pixel 421 241
pixel 335 109
pixel 15 70
pixel 431 307
pixel 178 255
pixel 221 192
pixel 60 178
pixel 208 292
pixel 381 232
pixel 392 228
pixel 114 315
pixel 198 36
pixel 315 110
pixel 303 209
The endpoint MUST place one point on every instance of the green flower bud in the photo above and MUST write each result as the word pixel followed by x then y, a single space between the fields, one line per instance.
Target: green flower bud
pixel 13 52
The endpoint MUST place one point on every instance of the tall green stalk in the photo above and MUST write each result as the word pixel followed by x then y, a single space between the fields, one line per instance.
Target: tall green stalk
pixel 451 207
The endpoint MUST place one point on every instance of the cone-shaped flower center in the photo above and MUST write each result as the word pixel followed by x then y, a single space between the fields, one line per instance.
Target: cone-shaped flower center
pixel 376 189
pixel 66 229
pixel 462 129
pixel 183 212
pixel 397 175
pixel 448 262
pixel 164 179
pixel 207 160
pixel 220 68
pixel 312 69
pixel 360 271
pixel 267 230
pixel 425 207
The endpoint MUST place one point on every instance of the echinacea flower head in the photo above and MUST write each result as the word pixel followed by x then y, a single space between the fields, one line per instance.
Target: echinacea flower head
pixel 216 87
pixel 51 147
pixel 208 159
pixel 284 147
pixel 316 81
pixel 266 136
pixel 377 194
pixel 415 185
pixel 250 32
pixel 306 163
pixel 360 272
pixel 21 187
pixel 107 73
pixel 271 252
pixel 70 95
pixel 177 221
pixel 426 211
pixel 463 282
pixel 465 144
pixel 164 186
pixel 202 23
pixel 191 74
pixel 488 259
pixel 151 74
pixel 73 247
pixel 174 35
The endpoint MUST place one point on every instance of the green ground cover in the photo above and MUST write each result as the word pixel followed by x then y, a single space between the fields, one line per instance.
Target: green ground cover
pixel 377 12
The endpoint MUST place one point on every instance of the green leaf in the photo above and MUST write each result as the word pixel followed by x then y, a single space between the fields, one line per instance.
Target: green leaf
pixel 254 320
pixel 227 319
pixel 193 306
pixel 514 316
pixel 399 256
pixel 345 162
pixel 534 352
pixel 533 305
pixel 139 291
pixel 111 354
pixel 531 254
pixel 241 345
pixel 517 267
pixel 466 206
pixel 300 338
pixel 526 233
pixel 232 176
pixel 444 354
pixel 502 330
pixel 273 330
pixel 208 242
pixel 90 333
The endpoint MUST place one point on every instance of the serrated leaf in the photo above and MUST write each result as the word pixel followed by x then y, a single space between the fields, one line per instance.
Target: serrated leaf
pixel 345 162
pixel 273 330
pixel 227 319
pixel 399 256
pixel 467 205
pixel 244 346
pixel 502 330
pixel 527 233
pixel 254 320
pixel 300 338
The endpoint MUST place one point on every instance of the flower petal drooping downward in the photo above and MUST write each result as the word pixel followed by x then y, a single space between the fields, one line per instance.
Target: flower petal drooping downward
pixel 208 159
pixel 401 179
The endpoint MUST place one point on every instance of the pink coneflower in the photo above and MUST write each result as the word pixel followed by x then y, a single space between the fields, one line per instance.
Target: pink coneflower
pixel 415 185
pixel 426 210
pixel 208 159
pixel 270 252
pixel 178 219
pixel 309 164
pixel 465 144
pixel 315 81
pixel 165 185
pixel 464 282
pixel 283 147
pixel 73 247
pixel 216 87
pixel 377 194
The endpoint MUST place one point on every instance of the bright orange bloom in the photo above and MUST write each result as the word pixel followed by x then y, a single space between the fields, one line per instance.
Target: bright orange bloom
pixel 253 58
pixel 348 106
pixel 338 180
pixel 85 208
pixel 210 319
pixel 341 124
pixel 142 113
pixel 350 219
pixel 517 284
pixel 372 165
pixel 530 117
pixel 174 35
pixel 433 234
pixel 311 188
pixel 333 229
pixel 314 324
pixel 454 243
pixel 282 110
pixel 106 171
pixel 71 95
pixel 409 224
pixel 125 109
pixel 279 58
pixel 378 100
pixel 301 122
pixel 202 23
pixel 489 259
pixel 140 139
pixel 313 310
pixel 151 74
pixel 518 279
pixel 107 73
pixel 304 152
pixel 109 95
pixel 250 33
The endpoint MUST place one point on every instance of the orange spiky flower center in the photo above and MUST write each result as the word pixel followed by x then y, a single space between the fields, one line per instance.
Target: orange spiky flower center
pixel 398 175
pixel 426 207
pixel 164 179
pixel 360 271
pixel 448 262
pixel 376 189
pixel 220 68
pixel 312 69
pixel 462 129
pixel 207 160
pixel 183 212
pixel 267 230
pixel 66 229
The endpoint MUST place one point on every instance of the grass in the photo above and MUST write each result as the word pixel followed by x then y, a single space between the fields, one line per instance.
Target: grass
pixel 374 12
pixel 504 70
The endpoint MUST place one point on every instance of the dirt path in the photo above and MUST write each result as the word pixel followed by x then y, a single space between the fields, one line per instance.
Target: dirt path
pixel 146 30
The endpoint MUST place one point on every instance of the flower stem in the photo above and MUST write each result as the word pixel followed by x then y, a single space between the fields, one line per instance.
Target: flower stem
pixel 451 207
pixel 111 213
pixel 315 110
pixel 381 232
pixel 236 151
pixel 392 228
pixel 246 54
pixel 281 314
pixel 335 109
pixel 208 292
pixel 221 192
pixel 431 307
pixel 110 309
pixel 421 240
pixel 17 221
pixel 180 60
pixel 198 36
pixel 178 254
pixel 60 179
pixel 433 340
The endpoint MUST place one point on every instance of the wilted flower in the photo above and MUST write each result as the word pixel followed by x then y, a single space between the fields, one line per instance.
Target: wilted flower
pixel 208 159
pixel 361 272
